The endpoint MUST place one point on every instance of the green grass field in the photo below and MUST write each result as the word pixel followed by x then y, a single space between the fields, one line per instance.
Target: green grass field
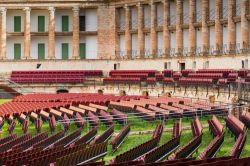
pixel 139 126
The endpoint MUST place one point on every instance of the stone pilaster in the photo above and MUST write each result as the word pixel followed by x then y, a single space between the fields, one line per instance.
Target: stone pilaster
pixel 231 27
pixel 166 34
pixel 179 33
pixel 205 29
pixel 153 33
pixel 27 33
pixel 141 47
pixel 75 38
pixel 244 25
pixel 192 32
pixel 51 41
pixel 3 33
pixel 218 32
pixel 128 38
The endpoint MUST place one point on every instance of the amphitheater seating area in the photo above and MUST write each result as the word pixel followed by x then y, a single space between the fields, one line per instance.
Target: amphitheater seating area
pixel 187 77
pixel 70 147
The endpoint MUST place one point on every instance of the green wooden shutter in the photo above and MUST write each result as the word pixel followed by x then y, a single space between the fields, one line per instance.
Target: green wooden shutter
pixel 65 23
pixel 41 24
pixel 17 51
pixel 17 23
pixel 82 51
pixel 82 23
pixel 65 51
pixel 41 51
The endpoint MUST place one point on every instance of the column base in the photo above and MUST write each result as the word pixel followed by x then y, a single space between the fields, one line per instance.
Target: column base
pixel 27 58
pixel 76 57
pixel 51 58
pixel 3 58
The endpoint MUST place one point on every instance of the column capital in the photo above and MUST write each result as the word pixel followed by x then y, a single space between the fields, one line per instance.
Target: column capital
pixel 152 2
pixel 139 4
pixel 51 9
pixel 27 9
pixel 76 9
pixel 3 10
pixel 126 7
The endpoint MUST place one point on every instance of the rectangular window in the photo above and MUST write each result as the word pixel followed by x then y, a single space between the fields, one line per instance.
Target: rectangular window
pixel 41 24
pixel 82 50
pixel 82 23
pixel 65 23
pixel 41 51
pixel 17 23
pixel 65 51
pixel 17 51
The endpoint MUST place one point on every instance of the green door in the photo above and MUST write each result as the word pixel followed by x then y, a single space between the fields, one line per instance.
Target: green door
pixel 41 24
pixel 17 51
pixel 65 51
pixel 82 51
pixel 41 51
pixel 65 23
pixel 17 23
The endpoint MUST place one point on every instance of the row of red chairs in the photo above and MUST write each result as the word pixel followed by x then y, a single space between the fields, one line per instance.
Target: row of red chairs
pixel 82 156
pixel 151 73
pixel 235 125
pixel 119 80
pixel 119 138
pixel 196 127
pixel 84 72
pixel 30 142
pixel 214 146
pixel 215 126
pixel 238 146
pixel 136 152
pixel 119 116
pixel 195 81
pixel 49 141
pixel 66 140
pixel 158 131
pixel 214 76
pixel 161 152
pixel 87 137
pixel 105 117
pixel 105 136
pixel 188 149
pixel 245 118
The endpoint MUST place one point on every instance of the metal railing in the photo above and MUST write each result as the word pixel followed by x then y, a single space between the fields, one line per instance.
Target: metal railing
pixel 224 12
pixel 238 9
pixel 160 21
pixel 134 24
pixel 173 20
pixel 212 14
pixel 147 22
pixel 198 16
pixel 122 25
pixel 186 18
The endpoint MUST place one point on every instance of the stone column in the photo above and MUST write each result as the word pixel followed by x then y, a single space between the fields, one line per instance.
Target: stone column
pixel 244 25
pixel 75 41
pixel 205 29
pixel 3 33
pixel 153 33
pixel 27 33
pixel 128 39
pixel 218 34
pixel 231 27
pixel 140 47
pixel 166 34
pixel 192 32
pixel 51 41
pixel 179 33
